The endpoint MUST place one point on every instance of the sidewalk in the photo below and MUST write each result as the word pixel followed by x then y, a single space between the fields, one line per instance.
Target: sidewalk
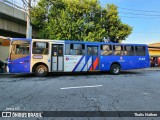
pixel 153 69
pixel 4 72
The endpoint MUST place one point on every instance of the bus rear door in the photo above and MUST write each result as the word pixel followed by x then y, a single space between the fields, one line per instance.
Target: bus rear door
pixel 92 58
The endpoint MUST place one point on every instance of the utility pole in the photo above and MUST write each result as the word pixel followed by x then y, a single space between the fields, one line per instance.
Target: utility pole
pixel 29 27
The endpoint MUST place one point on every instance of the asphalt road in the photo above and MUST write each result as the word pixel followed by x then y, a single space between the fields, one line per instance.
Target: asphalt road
pixel 137 90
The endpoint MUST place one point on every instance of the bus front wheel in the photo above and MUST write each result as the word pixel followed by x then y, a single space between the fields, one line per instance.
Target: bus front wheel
pixel 115 69
pixel 41 71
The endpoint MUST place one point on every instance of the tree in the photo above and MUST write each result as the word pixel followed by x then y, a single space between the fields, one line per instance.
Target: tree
pixel 116 31
pixel 78 20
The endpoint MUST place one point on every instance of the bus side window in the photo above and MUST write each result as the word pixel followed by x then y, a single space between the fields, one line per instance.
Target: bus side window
pixel 75 49
pixel 40 48
pixel 106 50
pixel 118 49
pixel 140 50
pixel 83 49
pixel 129 50
pixel 67 49
pixel 20 48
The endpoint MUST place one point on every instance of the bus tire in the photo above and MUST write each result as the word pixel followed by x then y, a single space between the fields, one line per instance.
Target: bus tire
pixel 41 71
pixel 115 69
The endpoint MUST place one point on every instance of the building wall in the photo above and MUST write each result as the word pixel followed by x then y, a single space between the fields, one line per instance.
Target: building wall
pixel 12 26
pixel 154 52
pixel 155 44
pixel 4 50
pixel 154 49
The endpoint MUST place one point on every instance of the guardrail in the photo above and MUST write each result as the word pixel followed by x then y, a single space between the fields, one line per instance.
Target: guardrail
pixel 21 6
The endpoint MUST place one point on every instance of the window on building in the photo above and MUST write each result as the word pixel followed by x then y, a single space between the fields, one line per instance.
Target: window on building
pixel 106 50
pixel 117 50
pixel 40 48
pixel 75 49
pixel 140 50
pixel 129 50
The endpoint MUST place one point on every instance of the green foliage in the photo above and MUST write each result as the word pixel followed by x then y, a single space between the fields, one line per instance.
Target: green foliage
pixel 78 20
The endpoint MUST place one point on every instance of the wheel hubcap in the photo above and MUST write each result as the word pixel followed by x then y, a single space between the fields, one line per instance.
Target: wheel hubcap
pixel 116 70
pixel 41 70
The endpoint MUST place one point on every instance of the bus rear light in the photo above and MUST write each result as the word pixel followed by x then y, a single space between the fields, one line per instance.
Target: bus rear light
pixel 21 62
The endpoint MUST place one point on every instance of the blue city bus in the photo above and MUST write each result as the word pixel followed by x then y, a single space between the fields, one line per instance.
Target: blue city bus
pixel 40 56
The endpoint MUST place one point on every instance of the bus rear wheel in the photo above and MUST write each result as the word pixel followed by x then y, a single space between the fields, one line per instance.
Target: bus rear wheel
pixel 115 69
pixel 41 71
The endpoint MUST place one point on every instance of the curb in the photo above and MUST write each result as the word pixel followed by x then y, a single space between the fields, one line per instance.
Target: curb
pixel 5 74
pixel 152 69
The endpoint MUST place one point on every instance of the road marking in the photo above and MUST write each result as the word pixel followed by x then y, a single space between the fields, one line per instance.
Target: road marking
pixel 81 87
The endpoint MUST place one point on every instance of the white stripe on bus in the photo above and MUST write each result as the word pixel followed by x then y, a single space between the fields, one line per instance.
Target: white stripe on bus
pixel 81 64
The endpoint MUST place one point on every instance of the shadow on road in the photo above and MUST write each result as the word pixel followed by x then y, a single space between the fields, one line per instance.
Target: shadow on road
pixel 70 74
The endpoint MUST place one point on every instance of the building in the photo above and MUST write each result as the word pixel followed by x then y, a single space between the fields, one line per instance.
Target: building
pixel 154 51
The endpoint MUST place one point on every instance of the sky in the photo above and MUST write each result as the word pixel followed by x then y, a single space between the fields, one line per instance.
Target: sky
pixel 142 15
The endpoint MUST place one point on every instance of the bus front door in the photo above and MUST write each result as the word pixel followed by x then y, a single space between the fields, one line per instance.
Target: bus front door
pixel 57 58
pixel 92 58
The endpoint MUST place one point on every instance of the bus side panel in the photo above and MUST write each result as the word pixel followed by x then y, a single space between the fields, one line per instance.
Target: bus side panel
pixel 128 62
pixel 105 62
pixel 142 62
pixel 148 59
pixel 74 63
pixel 124 61
pixel 36 59
pixel 21 65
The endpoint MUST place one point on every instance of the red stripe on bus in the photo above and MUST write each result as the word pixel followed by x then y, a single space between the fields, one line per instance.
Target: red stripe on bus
pixel 95 63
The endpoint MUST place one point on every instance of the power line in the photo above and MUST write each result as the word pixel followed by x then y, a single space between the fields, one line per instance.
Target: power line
pixel 141 17
pixel 139 14
pixel 139 10
pixel 147 32
pixel 135 15
pixel 145 16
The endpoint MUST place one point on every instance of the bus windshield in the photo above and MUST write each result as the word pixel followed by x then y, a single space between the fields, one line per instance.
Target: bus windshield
pixel 19 49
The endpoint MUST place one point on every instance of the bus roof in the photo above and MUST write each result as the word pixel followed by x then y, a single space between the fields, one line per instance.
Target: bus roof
pixel 24 39
pixel 75 42
pixel 85 42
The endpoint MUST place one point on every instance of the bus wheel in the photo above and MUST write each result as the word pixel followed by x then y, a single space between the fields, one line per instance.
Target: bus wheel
pixel 41 71
pixel 115 69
